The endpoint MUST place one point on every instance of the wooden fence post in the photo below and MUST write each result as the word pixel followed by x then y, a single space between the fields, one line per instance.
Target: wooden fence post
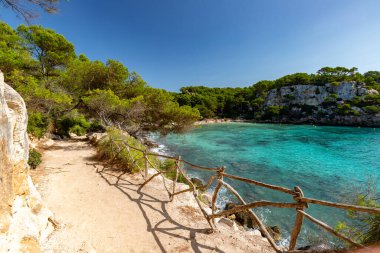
pixel 219 177
pixel 146 165
pixel 177 165
pixel 299 217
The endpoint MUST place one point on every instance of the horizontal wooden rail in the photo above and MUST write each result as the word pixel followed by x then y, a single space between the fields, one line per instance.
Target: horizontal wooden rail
pixel 254 205
pixel 300 202
pixel 328 228
pixel 342 206
pixel 250 181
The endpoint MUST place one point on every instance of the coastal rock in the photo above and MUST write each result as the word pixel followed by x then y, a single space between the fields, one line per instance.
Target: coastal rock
pixel 229 223
pixel 322 104
pixel 197 182
pixel 242 217
pixel 206 198
pixel 275 232
pixel 23 217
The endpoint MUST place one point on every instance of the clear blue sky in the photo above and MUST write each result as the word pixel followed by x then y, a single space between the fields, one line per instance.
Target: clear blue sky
pixel 173 43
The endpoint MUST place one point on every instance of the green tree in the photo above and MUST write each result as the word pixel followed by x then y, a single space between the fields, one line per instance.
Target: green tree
pixel 51 49
pixel 13 55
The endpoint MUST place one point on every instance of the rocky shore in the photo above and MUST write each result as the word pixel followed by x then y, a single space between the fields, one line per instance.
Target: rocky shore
pixel 338 104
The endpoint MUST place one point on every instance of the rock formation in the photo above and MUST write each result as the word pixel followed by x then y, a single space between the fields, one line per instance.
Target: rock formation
pixel 334 104
pixel 24 221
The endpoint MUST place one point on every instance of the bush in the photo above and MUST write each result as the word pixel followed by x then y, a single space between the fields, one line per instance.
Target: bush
pixel 344 109
pixel 38 124
pixel 73 122
pixel 112 147
pixel 273 111
pixel 371 109
pixel 367 230
pixel 170 166
pixel 34 158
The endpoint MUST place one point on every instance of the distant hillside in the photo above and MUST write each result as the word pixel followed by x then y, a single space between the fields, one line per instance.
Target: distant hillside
pixel 336 96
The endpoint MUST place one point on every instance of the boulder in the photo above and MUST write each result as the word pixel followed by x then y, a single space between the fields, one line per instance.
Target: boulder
pixel 229 223
pixel 206 198
pixel 197 182
pixel 275 232
pixel 242 217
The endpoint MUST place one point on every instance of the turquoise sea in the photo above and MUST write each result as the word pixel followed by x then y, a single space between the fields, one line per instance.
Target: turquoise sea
pixel 328 163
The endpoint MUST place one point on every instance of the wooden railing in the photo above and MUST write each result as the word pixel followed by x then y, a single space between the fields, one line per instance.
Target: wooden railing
pixel 300 204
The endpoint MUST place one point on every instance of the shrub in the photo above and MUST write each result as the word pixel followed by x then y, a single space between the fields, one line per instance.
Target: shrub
pixel 331 99
pixel 34 158
pixel 368 230
pixel 289 97
pixel 38 124
pixel 170 166
pixel 112 147
pixel 344 109
pixel 73 122
pixel 372 109
pixel 274 111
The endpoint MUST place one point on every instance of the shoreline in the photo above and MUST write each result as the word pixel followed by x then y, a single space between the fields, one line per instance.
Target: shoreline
pixel 303 123
pixel 226 120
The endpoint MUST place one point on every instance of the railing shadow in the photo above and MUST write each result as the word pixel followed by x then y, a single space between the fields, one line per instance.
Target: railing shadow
pixel 144 202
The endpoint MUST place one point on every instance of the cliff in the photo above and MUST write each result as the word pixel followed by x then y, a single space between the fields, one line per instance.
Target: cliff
pixel 24 221
pixel 345 103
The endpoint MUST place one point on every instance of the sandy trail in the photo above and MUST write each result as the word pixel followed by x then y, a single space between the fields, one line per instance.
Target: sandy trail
pixel 101 209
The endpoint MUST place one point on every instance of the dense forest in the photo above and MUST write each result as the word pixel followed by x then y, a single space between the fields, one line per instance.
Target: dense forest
pixel 68 93
pixel 247 103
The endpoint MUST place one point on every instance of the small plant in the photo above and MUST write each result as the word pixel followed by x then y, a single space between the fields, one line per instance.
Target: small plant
pixel 274 111
pixel 73 122
pixel 372 109
pixel 38 124
pixel 34 158
pixel 170 167
pixel 289 97
pixel 344 109
pixel 113 147
pixel 367 231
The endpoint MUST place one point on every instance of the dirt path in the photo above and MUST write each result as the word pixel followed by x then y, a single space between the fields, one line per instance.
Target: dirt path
pixel 100 209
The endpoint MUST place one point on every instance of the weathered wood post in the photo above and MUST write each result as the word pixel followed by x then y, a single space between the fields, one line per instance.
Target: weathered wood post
pixel 146 165
pixel 177 166
pixel 299 217
pixel 219 177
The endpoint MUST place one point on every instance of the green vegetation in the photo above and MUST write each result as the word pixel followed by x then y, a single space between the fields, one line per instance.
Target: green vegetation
pixel 169 166
pixel 367 231
pixel 34 158
pixel 112 147
pixel 60 85
pixel 248 102
pixel 372 109
pixel 66 93
pixel 37 124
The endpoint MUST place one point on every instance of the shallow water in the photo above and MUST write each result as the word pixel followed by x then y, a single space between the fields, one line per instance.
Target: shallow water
pixel 328 163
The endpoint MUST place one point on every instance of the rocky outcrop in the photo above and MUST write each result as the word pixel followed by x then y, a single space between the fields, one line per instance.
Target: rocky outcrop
pixel 342 103
pixel 24 221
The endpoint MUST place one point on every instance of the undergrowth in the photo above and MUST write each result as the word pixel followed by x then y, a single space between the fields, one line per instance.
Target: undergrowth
pixel 112 147
pixel 34 158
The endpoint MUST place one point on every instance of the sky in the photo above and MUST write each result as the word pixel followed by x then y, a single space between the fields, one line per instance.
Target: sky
pixel 220 43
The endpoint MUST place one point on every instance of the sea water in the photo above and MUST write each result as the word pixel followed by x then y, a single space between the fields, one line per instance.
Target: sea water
pixel 328 163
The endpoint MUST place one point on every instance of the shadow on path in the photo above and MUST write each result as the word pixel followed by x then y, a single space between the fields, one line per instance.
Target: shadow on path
pixel 145 202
